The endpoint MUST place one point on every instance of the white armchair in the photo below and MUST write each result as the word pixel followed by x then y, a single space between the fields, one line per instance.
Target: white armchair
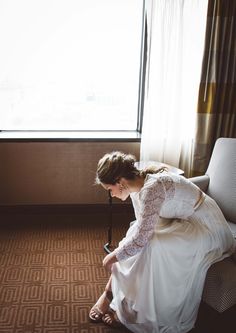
pixel 219 182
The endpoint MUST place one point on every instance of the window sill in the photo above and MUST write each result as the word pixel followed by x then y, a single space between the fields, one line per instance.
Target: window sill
pixel 63 136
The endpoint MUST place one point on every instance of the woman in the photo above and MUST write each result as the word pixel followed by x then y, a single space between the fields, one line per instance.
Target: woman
pixel 158 269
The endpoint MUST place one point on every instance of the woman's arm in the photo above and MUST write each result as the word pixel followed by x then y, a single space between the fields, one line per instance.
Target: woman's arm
pixel 151 199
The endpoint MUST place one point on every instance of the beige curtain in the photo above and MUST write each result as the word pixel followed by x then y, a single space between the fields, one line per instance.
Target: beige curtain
pixel 175 44
pixel 216 111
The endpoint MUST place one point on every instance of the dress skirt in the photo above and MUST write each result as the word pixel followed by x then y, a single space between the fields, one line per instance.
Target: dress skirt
pixel 159 289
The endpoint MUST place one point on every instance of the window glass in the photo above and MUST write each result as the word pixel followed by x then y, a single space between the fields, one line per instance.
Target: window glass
pixel 69 64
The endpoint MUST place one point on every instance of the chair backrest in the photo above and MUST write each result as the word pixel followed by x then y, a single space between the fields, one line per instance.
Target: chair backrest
pixel 222 173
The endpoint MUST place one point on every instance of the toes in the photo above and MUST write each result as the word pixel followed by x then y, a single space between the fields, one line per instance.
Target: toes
pixel 111 319
pixel 107 319
pixel 95 314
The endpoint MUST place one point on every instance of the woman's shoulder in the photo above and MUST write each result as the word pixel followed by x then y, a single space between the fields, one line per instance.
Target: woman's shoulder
pixel 162 177
pixel 159 184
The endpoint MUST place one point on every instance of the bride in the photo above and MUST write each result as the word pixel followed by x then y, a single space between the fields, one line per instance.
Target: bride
pixel 158 269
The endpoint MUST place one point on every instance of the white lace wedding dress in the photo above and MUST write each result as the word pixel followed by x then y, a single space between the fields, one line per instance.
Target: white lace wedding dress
pixel 162 262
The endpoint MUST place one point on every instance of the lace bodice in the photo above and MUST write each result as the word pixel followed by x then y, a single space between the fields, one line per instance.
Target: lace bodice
pixel 164 195
pixel 147 206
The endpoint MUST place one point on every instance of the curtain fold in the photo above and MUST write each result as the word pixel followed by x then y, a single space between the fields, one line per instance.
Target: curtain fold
pixel 175 41
pixel 216 111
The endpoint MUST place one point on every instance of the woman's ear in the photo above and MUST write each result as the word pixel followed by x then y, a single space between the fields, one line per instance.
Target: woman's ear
pixel 122 182
pixel 118 181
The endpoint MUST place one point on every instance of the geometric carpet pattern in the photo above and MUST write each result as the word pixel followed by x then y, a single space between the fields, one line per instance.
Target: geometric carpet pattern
pixel 51 273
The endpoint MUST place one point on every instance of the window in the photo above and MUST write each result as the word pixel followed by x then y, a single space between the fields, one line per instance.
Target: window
pixel 69 64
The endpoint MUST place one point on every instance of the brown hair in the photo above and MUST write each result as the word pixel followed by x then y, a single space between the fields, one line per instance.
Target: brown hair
pixel 115 165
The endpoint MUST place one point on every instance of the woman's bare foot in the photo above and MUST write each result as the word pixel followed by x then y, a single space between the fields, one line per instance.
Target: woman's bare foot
pixel 110 318
pixel 101 306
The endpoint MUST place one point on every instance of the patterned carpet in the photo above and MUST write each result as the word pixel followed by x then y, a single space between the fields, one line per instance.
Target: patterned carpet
pixel 51 273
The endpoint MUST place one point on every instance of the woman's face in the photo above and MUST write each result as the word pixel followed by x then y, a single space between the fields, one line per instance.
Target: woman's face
pixel 117 190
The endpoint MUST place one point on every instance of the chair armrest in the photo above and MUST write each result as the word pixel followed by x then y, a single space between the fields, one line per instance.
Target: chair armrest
pixel 201 181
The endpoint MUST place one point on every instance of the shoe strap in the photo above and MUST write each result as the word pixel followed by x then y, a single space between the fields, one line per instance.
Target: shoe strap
pixel 109 295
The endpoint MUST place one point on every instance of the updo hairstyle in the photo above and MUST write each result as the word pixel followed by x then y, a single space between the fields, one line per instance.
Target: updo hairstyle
pixel 116 165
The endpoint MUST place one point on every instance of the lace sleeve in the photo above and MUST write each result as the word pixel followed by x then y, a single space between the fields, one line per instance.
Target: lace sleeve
pixel 151 199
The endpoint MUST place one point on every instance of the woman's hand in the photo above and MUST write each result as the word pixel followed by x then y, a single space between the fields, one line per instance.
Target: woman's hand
pixel 109 260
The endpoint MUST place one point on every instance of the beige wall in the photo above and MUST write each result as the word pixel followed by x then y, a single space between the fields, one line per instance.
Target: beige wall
pixel 54 172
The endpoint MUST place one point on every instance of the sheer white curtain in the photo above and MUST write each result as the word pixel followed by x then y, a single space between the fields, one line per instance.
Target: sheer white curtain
pixel 176 31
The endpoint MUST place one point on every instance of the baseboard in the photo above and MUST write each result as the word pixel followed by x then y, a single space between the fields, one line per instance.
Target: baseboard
pixel 66 209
